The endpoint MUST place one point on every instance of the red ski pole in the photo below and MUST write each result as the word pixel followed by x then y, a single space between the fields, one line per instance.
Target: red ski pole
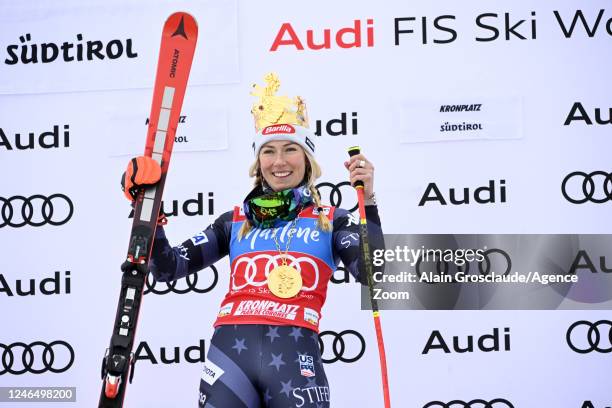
pixel 367 261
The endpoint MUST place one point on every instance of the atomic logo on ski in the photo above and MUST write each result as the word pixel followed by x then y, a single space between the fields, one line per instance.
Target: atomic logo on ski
pixel 180 30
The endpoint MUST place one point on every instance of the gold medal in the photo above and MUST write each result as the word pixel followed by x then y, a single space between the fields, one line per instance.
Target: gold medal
pixel 284 281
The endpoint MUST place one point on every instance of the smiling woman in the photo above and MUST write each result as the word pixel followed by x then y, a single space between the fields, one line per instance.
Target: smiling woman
pixel 282 164
pixel 284 246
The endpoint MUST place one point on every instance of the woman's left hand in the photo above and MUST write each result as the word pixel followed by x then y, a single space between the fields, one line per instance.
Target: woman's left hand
pixel 361 169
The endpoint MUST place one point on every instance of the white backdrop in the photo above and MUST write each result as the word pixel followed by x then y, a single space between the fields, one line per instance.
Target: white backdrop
pixel 525 88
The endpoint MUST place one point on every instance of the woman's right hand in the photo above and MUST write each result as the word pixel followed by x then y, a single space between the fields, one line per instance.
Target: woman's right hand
pixel 141 171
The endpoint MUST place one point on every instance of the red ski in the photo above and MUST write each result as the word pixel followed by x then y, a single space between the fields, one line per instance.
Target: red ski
pixel 178 43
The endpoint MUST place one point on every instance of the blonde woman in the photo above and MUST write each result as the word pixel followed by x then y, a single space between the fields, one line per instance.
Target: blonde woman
pixel 283 247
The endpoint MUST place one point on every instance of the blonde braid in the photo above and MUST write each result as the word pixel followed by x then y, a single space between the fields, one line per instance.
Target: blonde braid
pixel 323 222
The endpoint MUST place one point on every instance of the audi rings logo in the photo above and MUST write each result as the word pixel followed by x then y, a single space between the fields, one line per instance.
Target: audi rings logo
pixel 494 259
pixel 191 280
pixel 254 270
pixel 36 357
pixel 584 337
pixel 595 187
pixel 477 403
pixel 347 346
pixel 336 194
pixel 36 210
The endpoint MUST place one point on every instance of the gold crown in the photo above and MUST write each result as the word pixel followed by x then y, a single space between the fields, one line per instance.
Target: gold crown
pixel 272 109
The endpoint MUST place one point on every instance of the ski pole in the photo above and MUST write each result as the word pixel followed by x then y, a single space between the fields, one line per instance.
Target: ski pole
pixel 367 261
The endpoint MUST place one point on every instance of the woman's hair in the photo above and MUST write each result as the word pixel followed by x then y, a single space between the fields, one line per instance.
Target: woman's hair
pixel 313 172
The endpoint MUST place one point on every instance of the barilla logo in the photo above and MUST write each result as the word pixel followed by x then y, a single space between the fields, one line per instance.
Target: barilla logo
pixel 275 129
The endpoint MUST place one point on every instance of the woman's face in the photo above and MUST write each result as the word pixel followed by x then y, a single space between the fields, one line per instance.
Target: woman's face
pixel 282 164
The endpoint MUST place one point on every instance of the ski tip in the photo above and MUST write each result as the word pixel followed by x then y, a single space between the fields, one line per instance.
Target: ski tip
pixel 181 24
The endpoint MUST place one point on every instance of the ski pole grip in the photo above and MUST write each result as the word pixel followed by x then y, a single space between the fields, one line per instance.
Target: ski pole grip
pixel 353 151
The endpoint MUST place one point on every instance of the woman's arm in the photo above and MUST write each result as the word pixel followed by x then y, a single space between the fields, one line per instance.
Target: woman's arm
pixel 202 250
pixel 347 241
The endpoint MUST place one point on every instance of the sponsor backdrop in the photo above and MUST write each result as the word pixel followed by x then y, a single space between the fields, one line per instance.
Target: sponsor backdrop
pixel 444 99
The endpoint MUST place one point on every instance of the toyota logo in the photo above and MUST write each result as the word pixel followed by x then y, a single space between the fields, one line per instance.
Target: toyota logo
pixel 592 338
pixel 36 357
pixel 495 259
pixel 36 210
pixel 192 284
pixel 588 187
pixel 337 193
pixel 339 346
pixel 477 403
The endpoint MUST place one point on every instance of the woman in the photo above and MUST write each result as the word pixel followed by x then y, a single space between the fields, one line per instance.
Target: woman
pixel 283 247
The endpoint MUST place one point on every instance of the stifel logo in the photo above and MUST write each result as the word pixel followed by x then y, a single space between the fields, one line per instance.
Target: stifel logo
pixel 275 129
pixel 346 37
